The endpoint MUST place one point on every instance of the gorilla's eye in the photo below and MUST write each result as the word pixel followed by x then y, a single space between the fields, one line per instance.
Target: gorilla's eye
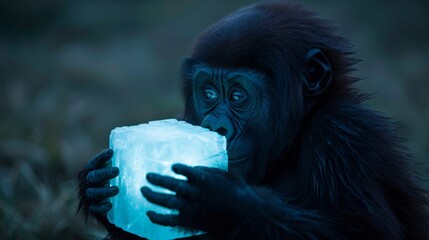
pixel 238 97
pixel 210 94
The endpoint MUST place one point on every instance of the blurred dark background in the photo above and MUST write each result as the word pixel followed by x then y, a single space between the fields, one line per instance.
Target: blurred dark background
pixel 70 71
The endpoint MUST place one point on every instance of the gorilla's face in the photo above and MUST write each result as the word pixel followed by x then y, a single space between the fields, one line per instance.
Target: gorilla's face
pixel 231 102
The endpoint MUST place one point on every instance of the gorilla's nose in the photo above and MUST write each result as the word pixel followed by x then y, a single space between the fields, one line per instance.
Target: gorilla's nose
pixel 221 125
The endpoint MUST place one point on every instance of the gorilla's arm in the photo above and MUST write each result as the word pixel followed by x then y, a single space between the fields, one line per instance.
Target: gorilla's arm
pixel 352 163
pixel 341 177
pixel 211 202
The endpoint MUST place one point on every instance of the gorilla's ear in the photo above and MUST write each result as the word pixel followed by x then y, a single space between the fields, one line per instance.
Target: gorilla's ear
pixel 319 74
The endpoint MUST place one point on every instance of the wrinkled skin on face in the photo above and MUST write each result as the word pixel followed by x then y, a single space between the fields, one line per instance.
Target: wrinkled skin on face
pixel 232 104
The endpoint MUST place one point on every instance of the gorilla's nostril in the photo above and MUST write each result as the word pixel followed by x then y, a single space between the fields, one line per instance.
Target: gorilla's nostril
pixel 222 131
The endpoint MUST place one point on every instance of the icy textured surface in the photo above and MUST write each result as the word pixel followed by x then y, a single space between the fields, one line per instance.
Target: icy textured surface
pixel 154 147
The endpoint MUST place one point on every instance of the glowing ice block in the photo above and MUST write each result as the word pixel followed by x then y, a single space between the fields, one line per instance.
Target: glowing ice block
pixel 154 147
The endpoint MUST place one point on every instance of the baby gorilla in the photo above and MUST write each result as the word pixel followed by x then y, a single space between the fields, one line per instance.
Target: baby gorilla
pixel 306 159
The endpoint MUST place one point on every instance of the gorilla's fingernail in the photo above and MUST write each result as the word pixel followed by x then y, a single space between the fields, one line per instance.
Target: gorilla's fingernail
pixel 145 189
pixel 150 213
pixel 175 165
pixel 178 165
pixel 115 190
pixel 150 176
pixel 115 170
pixel 108 153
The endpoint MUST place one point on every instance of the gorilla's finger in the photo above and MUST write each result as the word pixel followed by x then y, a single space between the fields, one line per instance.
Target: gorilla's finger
pixel 101 176
pixel 165 200
pixel 193 174
pixel 162 180
pixel 101 193
pixel 211 170
pixel 100 159
pixel 181 187
pixel 100 209
pixel 170 220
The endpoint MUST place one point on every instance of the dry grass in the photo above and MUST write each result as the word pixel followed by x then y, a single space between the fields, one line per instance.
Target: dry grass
pixel 34 205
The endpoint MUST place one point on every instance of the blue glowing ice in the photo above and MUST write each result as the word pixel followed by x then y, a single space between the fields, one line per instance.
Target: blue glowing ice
pixel 154 147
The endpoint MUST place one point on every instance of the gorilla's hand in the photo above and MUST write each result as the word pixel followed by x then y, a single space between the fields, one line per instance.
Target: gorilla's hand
pixel 208 200
pixel 93 185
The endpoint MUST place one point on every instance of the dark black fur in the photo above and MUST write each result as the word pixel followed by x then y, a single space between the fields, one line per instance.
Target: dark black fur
pixel 329 167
